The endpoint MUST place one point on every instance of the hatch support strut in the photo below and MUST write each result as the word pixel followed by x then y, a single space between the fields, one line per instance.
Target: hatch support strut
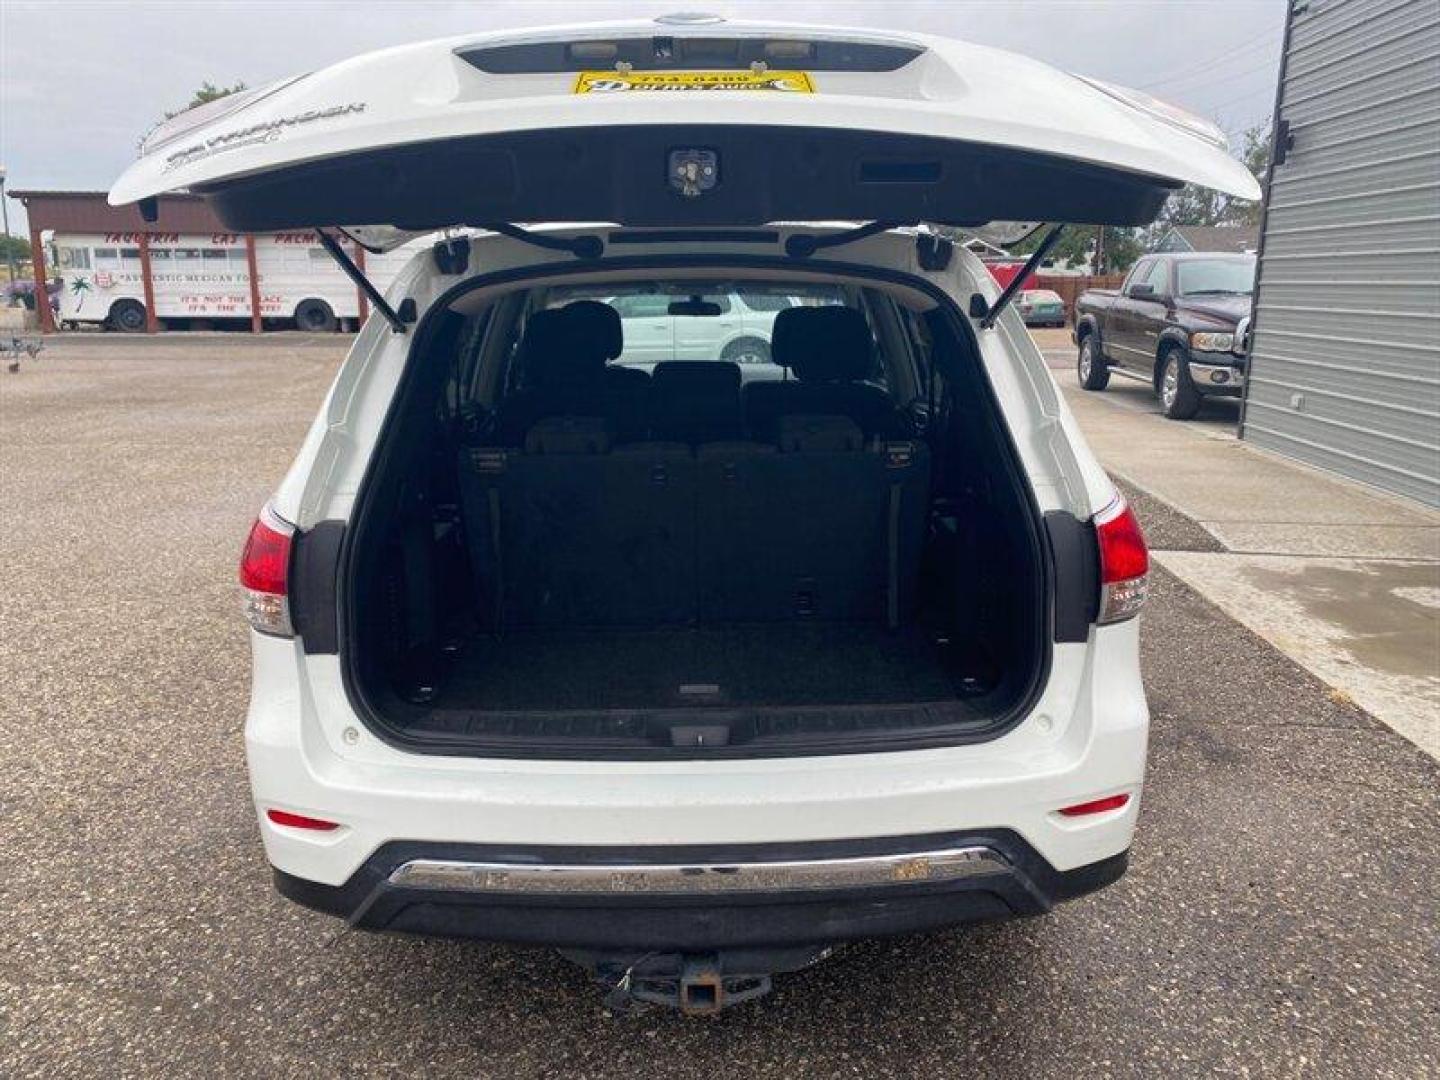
pixel 1018 281
pixel 803 245
pixel 355 274
pixel 582 247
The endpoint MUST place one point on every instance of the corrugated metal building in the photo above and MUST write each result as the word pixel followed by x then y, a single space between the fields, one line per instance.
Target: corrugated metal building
pixel 1345 361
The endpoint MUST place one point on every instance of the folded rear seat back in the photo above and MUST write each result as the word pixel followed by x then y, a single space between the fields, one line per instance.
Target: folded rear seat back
pixel 572 534
pixel 821 527
pixel 806 433
pixel 569 435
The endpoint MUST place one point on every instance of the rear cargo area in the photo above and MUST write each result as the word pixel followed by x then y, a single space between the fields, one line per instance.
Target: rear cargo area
pixel 687 561
pixel 744 664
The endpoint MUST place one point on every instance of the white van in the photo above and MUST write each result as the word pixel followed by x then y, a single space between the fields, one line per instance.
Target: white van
pixel 207 277
pixel 690 674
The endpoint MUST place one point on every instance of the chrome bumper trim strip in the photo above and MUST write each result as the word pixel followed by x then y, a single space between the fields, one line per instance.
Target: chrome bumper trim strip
pixel 909 868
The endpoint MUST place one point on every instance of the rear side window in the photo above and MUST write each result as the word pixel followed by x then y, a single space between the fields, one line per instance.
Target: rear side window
pixel 641 306
pixel 764 301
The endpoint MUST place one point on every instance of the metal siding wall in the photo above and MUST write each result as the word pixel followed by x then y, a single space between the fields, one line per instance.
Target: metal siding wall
pixel 1345 362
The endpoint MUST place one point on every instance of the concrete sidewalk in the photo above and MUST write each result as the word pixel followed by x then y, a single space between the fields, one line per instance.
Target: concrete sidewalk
pixel 1343 580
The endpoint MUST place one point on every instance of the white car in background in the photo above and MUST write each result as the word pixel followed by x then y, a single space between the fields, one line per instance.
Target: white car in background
pixel 729 326
pixel 691 677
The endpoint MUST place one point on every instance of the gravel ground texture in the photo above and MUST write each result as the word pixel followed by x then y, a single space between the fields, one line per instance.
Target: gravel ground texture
pixel 1279 918
pixel 1166 529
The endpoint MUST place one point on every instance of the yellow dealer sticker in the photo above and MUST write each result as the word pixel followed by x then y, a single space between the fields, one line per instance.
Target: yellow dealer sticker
pixel 632 82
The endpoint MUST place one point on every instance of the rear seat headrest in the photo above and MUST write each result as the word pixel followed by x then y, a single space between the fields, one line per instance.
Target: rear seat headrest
pixel 546 348
pixel 823 344
pixel 595 328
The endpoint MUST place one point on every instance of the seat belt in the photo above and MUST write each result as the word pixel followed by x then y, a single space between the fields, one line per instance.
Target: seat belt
pixel 490 463
pixel 498 554
pixel 898 458
pixel 892 599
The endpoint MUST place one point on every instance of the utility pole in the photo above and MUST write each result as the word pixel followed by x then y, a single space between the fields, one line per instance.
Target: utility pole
pixel 1099 250
pixel 5 215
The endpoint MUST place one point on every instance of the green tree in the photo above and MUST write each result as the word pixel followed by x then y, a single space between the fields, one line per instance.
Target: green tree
pixel 1193 205
pixel 14 247
pixel 1077 245
pixel 1255 153
pixel 207 93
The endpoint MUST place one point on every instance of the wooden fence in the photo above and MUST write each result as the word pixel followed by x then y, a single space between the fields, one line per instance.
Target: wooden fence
pixel 1070 286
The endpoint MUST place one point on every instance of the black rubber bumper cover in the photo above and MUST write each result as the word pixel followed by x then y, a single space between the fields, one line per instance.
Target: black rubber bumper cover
pixel 711 922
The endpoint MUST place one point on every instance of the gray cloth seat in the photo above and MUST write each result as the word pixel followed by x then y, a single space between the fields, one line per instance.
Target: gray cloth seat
pixel 830 352
pixel 699 525
pixel 564 355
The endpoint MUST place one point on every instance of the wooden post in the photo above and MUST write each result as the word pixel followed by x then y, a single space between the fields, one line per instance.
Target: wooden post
pixel 250 262
pixel 152 324
pixel 360 293
pixel 42 291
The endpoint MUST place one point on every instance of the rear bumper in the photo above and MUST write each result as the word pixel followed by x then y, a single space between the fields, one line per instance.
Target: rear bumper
pixel 687 900
pixel 308 755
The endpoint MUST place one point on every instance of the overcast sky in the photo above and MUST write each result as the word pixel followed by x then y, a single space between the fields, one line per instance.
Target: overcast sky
pixel 80 82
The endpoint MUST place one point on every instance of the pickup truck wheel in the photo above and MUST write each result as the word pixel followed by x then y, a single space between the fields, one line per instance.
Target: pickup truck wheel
pixel 1090 368
pixel 1178 396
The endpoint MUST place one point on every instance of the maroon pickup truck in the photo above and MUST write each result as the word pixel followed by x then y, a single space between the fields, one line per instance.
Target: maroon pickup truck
pixel 1178 322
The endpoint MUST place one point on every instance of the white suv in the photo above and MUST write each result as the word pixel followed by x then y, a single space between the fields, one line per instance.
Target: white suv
pixel 734 326
pixel 689 675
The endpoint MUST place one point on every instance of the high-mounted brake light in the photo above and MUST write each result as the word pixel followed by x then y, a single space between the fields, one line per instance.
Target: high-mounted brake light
pixel 264 574
pixel 1124 563
pixel 1096 806
pixel 300 821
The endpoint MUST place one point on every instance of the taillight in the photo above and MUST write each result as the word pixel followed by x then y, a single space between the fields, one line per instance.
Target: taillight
pixel 1124 563
pixel 264 574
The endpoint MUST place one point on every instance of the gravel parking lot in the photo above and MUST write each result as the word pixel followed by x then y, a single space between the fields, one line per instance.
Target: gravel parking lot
pixel 1279 918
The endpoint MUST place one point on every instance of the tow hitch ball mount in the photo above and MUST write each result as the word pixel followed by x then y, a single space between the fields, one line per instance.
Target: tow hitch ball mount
pixel 698 984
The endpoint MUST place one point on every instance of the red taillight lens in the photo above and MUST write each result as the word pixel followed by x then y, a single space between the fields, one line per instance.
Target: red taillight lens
pixel 1124 563
pixel 264 573
pixel 300 821
pixel 1096 806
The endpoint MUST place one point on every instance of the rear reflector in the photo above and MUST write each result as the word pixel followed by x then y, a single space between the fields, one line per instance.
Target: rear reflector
pixel 1096 806
pixel 264 574
pixel 1124 563
pixel 299 821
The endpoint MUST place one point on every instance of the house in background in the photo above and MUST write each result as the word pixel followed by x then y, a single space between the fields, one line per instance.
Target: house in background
pixel 1231 238
pixel 1345 348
